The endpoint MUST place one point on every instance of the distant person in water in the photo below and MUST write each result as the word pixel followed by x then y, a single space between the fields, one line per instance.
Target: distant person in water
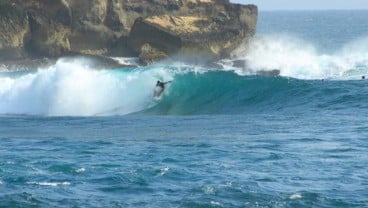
pixel 363 77
pixel 160 87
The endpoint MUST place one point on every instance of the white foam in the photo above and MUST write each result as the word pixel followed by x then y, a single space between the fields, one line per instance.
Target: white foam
pixel 49 183
pixel 295 196
pixel 127 60
pixel 72 88
pixel 216 203
pixel 164 170
pixel 80 170
pixel 300 59
pixel 208 189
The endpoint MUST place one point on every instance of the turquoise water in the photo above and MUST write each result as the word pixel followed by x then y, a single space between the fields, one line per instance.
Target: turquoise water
pixel 74 136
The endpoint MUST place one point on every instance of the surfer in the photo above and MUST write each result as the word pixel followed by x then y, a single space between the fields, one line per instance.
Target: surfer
pixel 160 87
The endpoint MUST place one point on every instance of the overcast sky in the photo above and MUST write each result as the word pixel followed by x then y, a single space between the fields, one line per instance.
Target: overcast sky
pixel 306 4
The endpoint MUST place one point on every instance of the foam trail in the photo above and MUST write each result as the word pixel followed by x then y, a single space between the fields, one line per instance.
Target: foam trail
pixel 299 59
pixel 72 88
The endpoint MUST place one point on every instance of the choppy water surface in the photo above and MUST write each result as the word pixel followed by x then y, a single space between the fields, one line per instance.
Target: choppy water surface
pixel 195 161
pixel 74 136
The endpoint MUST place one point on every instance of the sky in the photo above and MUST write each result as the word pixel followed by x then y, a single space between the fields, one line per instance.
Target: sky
pixel 306 4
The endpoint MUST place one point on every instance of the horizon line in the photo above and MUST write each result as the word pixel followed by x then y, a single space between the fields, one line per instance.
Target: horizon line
pixel 291 10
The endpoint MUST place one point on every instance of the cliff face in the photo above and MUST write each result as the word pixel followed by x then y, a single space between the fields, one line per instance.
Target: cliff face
pixel 43 28
pixel 14 26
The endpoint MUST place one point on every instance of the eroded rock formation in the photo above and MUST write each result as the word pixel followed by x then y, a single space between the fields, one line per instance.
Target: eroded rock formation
pixel 150 29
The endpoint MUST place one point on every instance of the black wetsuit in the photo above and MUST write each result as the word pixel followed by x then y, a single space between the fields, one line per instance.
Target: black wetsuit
pixel 160 84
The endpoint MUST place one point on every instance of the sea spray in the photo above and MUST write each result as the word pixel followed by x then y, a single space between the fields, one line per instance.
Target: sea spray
pixel 75 87
pixel 297 58
pixel 72 87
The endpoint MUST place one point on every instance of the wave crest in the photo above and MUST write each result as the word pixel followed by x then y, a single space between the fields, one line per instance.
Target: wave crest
pixel 299 59
pixel 72 88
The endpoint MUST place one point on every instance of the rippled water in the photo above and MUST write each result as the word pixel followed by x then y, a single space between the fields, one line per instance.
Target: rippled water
pixel 74 136
pixel 196 161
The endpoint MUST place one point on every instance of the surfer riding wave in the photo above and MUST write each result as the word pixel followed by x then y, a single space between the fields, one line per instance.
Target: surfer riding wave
pixel 160 87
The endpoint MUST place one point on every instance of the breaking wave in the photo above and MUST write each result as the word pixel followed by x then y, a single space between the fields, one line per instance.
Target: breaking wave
pixel 299 59
pixel 73 87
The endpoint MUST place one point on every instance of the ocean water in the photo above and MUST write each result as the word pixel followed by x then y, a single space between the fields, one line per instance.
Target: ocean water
pixel 72 135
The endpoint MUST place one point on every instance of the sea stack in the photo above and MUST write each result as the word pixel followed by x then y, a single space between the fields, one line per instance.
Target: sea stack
pixel 194 30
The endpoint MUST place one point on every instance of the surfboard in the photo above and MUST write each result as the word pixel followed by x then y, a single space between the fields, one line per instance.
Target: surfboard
pixel 158 92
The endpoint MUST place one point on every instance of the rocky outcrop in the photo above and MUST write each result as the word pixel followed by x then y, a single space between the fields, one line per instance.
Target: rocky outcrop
pixel 48 38
pixel 242 64
pixel 150 29
pixel 14 27
pixel 149 55
pixel 201 36
pixel 197 38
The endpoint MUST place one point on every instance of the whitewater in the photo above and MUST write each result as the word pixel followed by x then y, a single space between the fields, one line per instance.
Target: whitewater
pixel 76 135
pixel 73 87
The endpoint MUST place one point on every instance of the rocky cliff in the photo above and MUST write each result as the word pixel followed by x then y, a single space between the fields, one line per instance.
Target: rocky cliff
pixel 150 29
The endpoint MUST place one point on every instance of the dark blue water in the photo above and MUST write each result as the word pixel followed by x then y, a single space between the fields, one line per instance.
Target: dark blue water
pixel 328 30
pixel 71 136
